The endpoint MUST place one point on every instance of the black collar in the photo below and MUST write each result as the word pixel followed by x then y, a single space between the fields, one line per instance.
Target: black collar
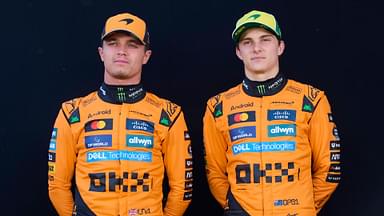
pixel 121 94
pixel 264 88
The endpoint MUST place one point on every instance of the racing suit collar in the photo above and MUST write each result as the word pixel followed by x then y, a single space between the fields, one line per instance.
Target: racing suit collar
pixel 264 88
pixel 117 94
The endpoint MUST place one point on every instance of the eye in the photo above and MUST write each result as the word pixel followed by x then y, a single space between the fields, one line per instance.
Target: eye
pixel 246 42
pixel 133 45
pixel 266 39
pixel 111 43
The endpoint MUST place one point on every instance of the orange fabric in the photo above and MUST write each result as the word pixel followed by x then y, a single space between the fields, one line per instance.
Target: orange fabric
pixel 278 155
pixel 119 154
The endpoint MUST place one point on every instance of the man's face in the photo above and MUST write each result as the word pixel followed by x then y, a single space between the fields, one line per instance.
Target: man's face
pixel 123 57
pixel 259 50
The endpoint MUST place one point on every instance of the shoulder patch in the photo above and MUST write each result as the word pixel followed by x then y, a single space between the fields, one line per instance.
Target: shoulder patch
pixel 218 110
pixel 307 105
pixel 169 112
pixel 213 101
pixel 74 117
pixel 164 119
pixel 171 108
pixel 313 93
pixel 71 110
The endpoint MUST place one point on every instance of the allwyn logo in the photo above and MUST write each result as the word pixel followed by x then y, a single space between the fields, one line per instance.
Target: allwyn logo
pixel 282 130
pixel 139 141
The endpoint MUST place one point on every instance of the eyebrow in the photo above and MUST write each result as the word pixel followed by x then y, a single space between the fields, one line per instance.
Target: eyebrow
pixel 129 41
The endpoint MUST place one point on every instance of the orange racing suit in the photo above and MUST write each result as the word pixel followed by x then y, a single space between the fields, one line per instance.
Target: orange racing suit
pixel 271 148
pixel 118 143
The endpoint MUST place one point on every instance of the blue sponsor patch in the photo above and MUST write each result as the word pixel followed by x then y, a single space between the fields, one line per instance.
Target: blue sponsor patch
pixel 279 146
pixel 97 141
pixel 52 145
pixel 119 155
pixel 282 115
pixel 139 141
pixel 242 132
pixel 281 130
pixel 140 125
pixel 54 134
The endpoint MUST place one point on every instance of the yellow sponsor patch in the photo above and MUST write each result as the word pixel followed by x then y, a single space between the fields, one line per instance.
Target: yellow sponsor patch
pixel 51 167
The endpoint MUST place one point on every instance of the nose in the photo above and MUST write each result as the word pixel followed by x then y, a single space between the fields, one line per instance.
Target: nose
pixel 257 47
pixel 122 50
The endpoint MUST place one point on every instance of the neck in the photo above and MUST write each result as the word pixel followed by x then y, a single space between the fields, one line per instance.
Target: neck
pixel 110 80
pixel 261 76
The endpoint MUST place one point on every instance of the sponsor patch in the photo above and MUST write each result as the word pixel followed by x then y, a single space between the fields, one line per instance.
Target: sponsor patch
pixel 190 149
pixel 286 202
pixel 335 156
pixel 188 185
pixel 281 114
pixel 187 195
pixel 335 168
pixel 282 130
pixel 334 145
pixel 218 110
pixel 140 141
pixel 119 155
pixel 97 141
pixel 278 146
pixel 51 168
pixel 52 145
pixel 188 175
pixel 336 133
pixel 186 135
pixel 330 117
pixel 241 106
pixel 99 124
pixel 164 119
pixel 75 116
pixel 188 163
pixel 142 211
pixel 54 134
pixel 140 125
pixel 333 178
pixel 239 117
pixel 51 156
pixel 102 112
pixel 307 105
pixel 242 132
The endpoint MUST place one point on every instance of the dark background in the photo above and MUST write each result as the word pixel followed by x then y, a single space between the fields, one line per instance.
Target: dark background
pixel 49 55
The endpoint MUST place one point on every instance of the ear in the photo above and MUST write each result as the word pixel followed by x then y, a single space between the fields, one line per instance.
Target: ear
pixel 101 53
pixel 147 55
pixel 281 48
pixel 238 53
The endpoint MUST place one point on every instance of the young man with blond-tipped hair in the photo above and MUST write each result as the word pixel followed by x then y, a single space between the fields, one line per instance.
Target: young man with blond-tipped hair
pixel 271 144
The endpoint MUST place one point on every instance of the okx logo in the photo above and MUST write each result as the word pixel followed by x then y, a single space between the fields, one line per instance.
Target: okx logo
pixel 139 141
pixel 241 117
pixel 281 130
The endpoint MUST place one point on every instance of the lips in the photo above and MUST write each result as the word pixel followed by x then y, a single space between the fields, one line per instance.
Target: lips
pixel 121 61
pixel 257 58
